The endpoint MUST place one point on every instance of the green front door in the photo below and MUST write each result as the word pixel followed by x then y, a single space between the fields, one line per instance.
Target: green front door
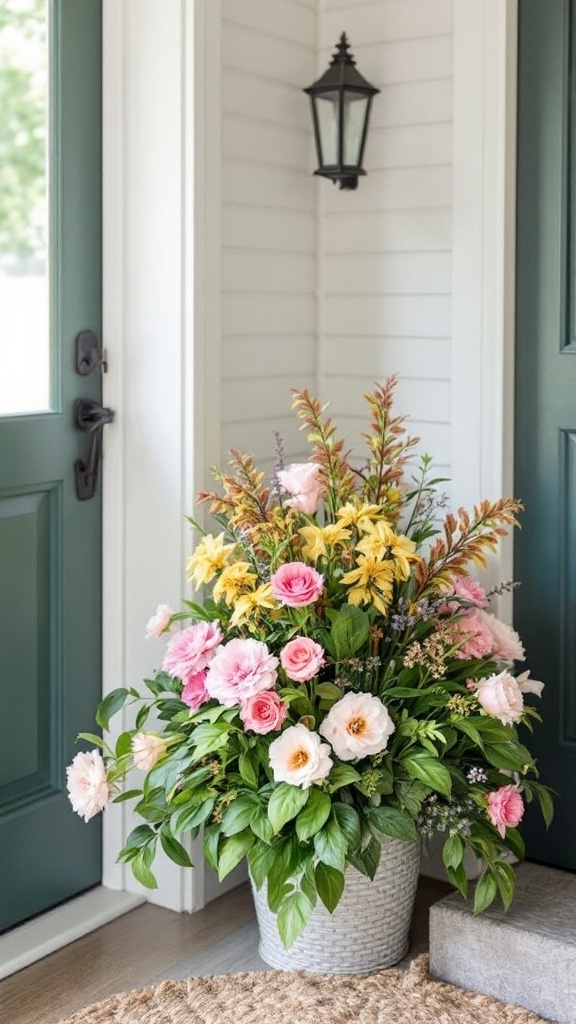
pixel 545 458
pixel 50 542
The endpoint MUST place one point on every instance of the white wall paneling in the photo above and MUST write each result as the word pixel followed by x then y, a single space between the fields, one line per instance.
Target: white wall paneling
pixel 385 249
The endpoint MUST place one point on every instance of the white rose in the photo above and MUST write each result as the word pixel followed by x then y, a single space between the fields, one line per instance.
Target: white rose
pixel 299 757
pixel 501 697
pixel 357 725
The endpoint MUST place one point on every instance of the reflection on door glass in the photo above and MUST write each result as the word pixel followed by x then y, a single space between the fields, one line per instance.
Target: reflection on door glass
pixel 24 304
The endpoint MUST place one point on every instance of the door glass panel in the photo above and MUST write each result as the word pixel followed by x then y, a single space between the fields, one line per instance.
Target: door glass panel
pixel 24 288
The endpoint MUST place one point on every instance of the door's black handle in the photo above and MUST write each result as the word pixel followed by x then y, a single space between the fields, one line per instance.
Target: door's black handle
pixel 90 418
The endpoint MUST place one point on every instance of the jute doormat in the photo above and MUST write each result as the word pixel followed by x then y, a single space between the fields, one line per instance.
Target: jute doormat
pixel 274 997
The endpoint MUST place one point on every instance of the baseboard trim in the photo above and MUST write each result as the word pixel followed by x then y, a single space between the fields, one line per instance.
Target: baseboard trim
pixel 29 942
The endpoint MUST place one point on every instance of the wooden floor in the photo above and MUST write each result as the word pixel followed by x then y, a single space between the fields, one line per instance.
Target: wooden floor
pixel 150 944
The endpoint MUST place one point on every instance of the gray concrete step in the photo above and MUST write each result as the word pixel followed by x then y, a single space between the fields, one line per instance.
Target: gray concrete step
pixel 526 956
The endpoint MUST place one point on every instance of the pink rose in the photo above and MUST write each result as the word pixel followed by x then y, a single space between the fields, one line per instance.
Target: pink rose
pixel 191 650
pixel 301 658
pixel 264 712
pixel 501 697
pixel 477 637
pixel 507 643
pixel 195 693
pixel 505 808
pixel 240 669
pixel 296 584
pixel 87 784
pixel 301 481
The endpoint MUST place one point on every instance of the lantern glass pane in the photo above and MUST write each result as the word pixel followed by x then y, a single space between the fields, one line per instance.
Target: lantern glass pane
pixel 355 110
pixel 327 114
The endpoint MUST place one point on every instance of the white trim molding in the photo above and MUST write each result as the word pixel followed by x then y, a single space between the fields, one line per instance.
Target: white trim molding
pixel 483 277
pixel 156 379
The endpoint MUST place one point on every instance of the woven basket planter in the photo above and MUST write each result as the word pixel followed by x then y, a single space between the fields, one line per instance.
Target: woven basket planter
pixel 369 928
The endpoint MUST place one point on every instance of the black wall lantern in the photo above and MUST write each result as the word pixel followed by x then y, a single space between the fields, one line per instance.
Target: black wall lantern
pixel 341 100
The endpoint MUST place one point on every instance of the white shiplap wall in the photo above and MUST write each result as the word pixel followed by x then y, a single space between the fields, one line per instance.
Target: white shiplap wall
pixel 268 221
pixel 385 249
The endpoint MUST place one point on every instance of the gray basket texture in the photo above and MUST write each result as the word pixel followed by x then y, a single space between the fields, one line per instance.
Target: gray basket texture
pixel 369 928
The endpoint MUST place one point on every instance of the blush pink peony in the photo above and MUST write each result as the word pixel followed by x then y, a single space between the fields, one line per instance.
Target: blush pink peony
pixel 195 693
pixel 357 725
pixel 299 757
pixel 264 712
pixel 301 659
pixel 505 808
pixel 239 669
pixel 507 643
pixel 501 697
pixel 301 480
pixel 191 650
pixel 296 584
pixel 159 622
pixel 147 749
pixel 87 784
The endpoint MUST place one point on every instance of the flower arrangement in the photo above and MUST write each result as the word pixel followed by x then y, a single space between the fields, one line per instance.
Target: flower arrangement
pixel 342 682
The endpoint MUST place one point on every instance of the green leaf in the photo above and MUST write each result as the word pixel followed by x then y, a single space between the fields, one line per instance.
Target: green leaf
pixel 208 738
pixel 466 726
pixel 331 846
pixel 485 892
pixel 262 826
pixel 515 843
pixel 429 770
pixel 328 692
pixel 141 869
pixel 173 849
pixel 453 852
pixel 545 799
pixel 139 836
pixel 330 885
pixel 211 840
pixel 458 877
pixel 285 803
pixel 350 629
pixel 239 814
pixel 286 865
pixel 91 737
pixel 510 756
pixel 349 822
pixel 124 744
pixel 260 861
pixel 506 882
pixel 232 852
pixel 316 812
pixel 129 794
pixel 187 818
pixel 111 704
pixel 342 775
pixel 247 770
pixel 293 916
pixel 368 860
pixel 308 884
pixel 389 821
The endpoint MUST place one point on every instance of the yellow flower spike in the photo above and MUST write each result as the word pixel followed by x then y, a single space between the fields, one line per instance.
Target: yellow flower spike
pixel 210 556
pixel 232 581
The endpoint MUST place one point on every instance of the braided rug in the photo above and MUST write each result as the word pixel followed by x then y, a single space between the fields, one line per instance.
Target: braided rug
pixel 276 997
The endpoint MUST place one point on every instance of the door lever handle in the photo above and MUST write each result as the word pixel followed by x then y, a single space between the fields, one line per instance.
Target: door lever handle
pixel 89 418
